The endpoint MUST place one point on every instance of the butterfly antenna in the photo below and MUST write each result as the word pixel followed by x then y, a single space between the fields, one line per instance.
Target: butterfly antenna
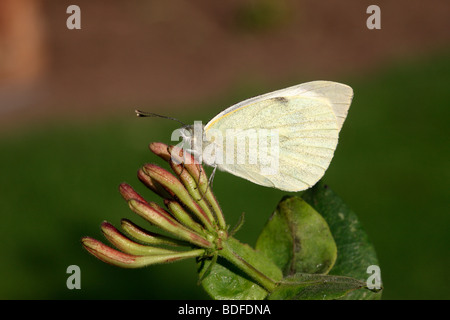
pixel 143 114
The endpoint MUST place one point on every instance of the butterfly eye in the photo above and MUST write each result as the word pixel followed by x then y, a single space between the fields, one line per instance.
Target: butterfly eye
pixel 185 132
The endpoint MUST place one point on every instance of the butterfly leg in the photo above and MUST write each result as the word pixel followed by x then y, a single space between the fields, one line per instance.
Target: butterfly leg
pixel 211 177
pixel 210 181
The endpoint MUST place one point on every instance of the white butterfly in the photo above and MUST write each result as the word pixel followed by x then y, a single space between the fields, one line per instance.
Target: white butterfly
pixel 306 118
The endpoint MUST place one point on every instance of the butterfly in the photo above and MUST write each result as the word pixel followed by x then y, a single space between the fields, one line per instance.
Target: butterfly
pixel 283 139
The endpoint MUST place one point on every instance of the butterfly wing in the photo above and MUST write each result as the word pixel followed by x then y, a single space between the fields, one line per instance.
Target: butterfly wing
pixel 339 96
pixel 305 118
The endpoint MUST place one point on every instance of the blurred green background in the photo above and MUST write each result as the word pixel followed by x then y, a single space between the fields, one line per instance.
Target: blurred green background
pixel 64 147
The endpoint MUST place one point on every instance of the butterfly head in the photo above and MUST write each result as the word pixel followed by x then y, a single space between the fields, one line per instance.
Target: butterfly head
pixel 193 137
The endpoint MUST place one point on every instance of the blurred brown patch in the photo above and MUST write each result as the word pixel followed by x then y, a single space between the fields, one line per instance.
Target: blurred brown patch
pixel 163 53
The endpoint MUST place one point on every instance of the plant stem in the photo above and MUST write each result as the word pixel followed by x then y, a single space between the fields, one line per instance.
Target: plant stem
pixel 228 253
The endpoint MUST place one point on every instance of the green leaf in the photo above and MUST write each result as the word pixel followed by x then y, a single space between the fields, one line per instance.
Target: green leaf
pixel 224 281
pixel 298 239
pixel 355 252
pixel 315 287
